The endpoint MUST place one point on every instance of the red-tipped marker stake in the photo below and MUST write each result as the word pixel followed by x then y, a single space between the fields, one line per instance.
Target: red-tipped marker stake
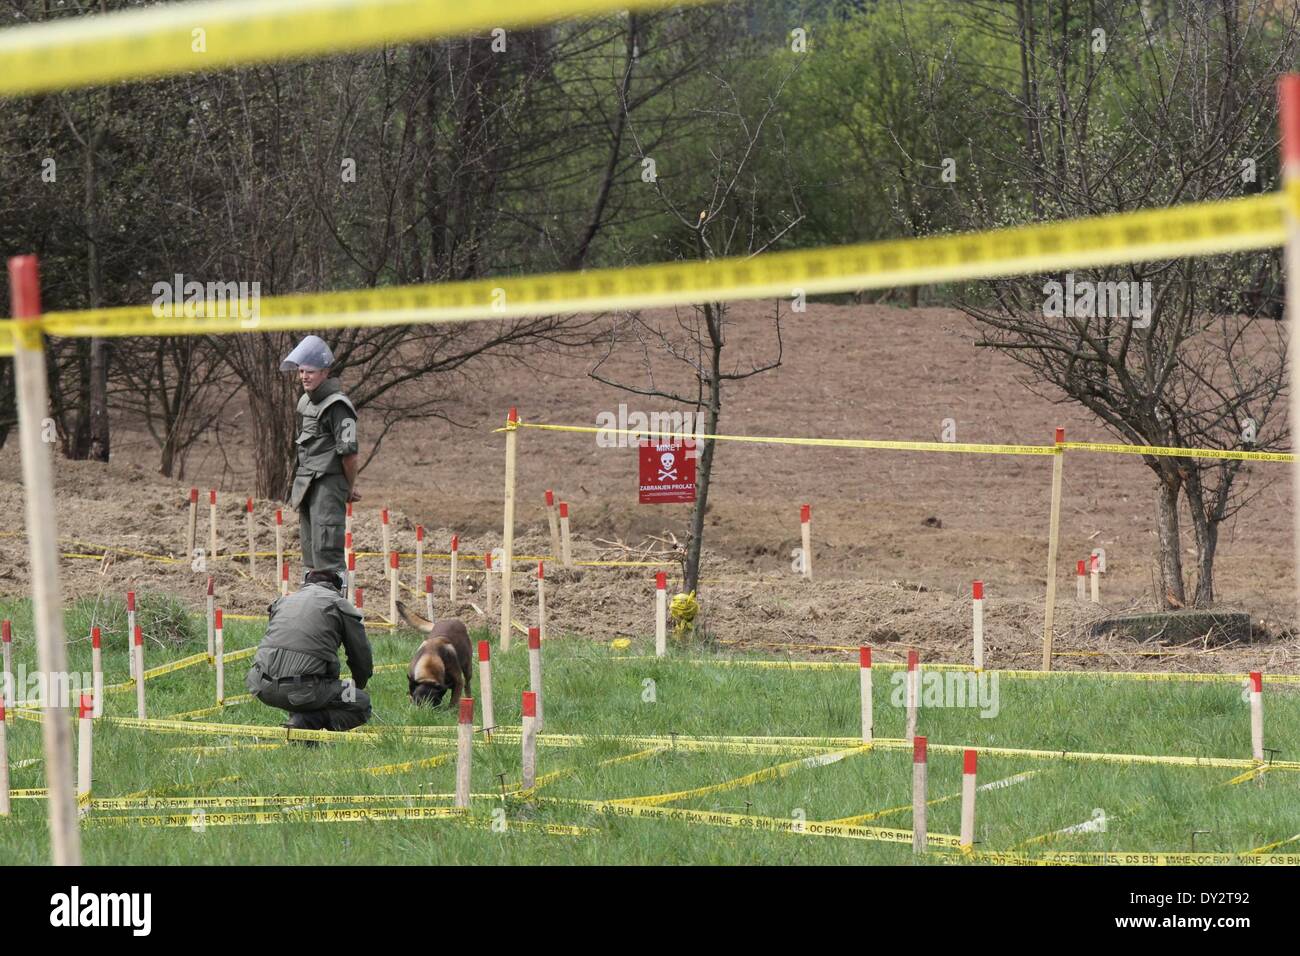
pixel 805 530
pixel 4 762
pixel 919 788
pixel 969 760
pixel 279 544
pixel 97 669
pixel 451 575
pixel 529 722
pixel 347 520
pixel 485 687
pixel 1096 570
pixel 913 693
pixel 220 660
pixel 553 523
pixel 419 554
pixel 1257 716
pixel 191 530
pixel 464 750
pixel 661 614
pixel 541 598
pixel 6 638
pixel 130 629
pixel 139 673
pixel 535 669
pixel 507 563
pixel 1081 583
pixel 428 596
pixel 566 547
pixel 252 540
pixel 383 527
pixel 212 524
pixel 392 587
pixel 864 684
pixel 85 715
pixel 284 579
pixel 977 602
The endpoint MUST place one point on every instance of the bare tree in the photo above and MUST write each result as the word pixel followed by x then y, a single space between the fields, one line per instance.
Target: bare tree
pixel 732 222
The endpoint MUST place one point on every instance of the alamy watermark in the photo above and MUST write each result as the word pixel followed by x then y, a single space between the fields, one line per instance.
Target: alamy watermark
pixel 950 689
pixel 1085 299
pixel 41 689
pixel 208 300
pixel 624 429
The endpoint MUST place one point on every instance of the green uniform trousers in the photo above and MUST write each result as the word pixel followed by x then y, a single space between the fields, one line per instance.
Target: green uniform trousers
pixel 321 519
pixel 316 703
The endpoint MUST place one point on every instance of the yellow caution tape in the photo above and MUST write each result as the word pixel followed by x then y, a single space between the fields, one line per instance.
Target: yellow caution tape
pixel 168 39
pixel 1273 846
pixel 778 772
pixel 306 801
pixel 219 819
pixel 1167 452
pixel 215 709
pixel 1129 858
pixel 1252 222
pixel 173 666
pixel 757 824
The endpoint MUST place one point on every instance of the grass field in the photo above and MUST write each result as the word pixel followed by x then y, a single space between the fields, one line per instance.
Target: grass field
pixel 590 691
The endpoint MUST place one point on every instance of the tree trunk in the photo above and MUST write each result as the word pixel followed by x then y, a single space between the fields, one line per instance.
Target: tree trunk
pixel 273 423
pixel 703 473
pixel 1171 559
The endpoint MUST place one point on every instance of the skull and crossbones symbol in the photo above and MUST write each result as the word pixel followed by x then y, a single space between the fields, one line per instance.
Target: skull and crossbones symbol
pixel 667 467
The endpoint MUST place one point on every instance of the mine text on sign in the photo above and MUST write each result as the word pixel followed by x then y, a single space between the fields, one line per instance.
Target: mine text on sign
pixel 667 473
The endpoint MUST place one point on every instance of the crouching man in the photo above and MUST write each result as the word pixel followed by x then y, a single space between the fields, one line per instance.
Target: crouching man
pixel 297 663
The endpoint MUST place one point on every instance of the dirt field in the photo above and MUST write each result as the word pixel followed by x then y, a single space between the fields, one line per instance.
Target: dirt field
pixel 898 536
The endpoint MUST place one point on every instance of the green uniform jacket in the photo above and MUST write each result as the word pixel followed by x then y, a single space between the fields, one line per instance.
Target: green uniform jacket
pixel 306 629
pixel 327 431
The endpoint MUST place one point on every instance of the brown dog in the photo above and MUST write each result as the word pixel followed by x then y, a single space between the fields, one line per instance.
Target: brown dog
pixel 442 662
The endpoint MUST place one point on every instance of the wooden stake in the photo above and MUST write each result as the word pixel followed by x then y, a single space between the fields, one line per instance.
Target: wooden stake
pixel 566 555
pixel 211 620
pixel 352 575
pixel 212 524
pixel 419 555
pixel 661 614
pixel 348 551
pixel 4 763
pixel 554 524
pixel 489 602
pixel 192 530
pixel 392 587
pixel 464 750
pixel 8 641
pixel 284 580
pixel 1053 536
pixel 252 540
pixel 220 661
pixel 485 687
pixel 383 527
pixel 805 528
pixel 1289 121
pixel 279 544
pixel 32 392
pixel 913 688
pixel 1096 573
pixel 347 520
pixel 920 785
pixel 1081 586
pixel 977 602
pixel 428 596
pixel 530 740
pixel 451 575
pixel 130 630
pixel 541 598
pixel 1257 715
pixel 535 669
pixel 85 748
pixel 864 684
pixel 508 528
pixel 969 761
pixel 139 673
pixel 97 669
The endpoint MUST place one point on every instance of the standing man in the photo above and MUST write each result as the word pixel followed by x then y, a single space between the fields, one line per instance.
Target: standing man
pixel 297 663
pixel 325 478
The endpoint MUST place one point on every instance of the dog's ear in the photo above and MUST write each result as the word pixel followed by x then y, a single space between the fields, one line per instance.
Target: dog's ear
pixel 413 619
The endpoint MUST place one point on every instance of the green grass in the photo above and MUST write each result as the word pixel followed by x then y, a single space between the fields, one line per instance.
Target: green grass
pixel 590 692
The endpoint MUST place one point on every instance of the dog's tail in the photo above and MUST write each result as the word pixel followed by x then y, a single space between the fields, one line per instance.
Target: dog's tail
pixel 410 617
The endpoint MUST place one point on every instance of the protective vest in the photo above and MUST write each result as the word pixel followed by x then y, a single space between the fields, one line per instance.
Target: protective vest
pixel 316 455
pixel 308 622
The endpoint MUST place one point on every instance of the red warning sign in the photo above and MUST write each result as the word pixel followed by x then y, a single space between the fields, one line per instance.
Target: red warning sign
pixel 667 473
